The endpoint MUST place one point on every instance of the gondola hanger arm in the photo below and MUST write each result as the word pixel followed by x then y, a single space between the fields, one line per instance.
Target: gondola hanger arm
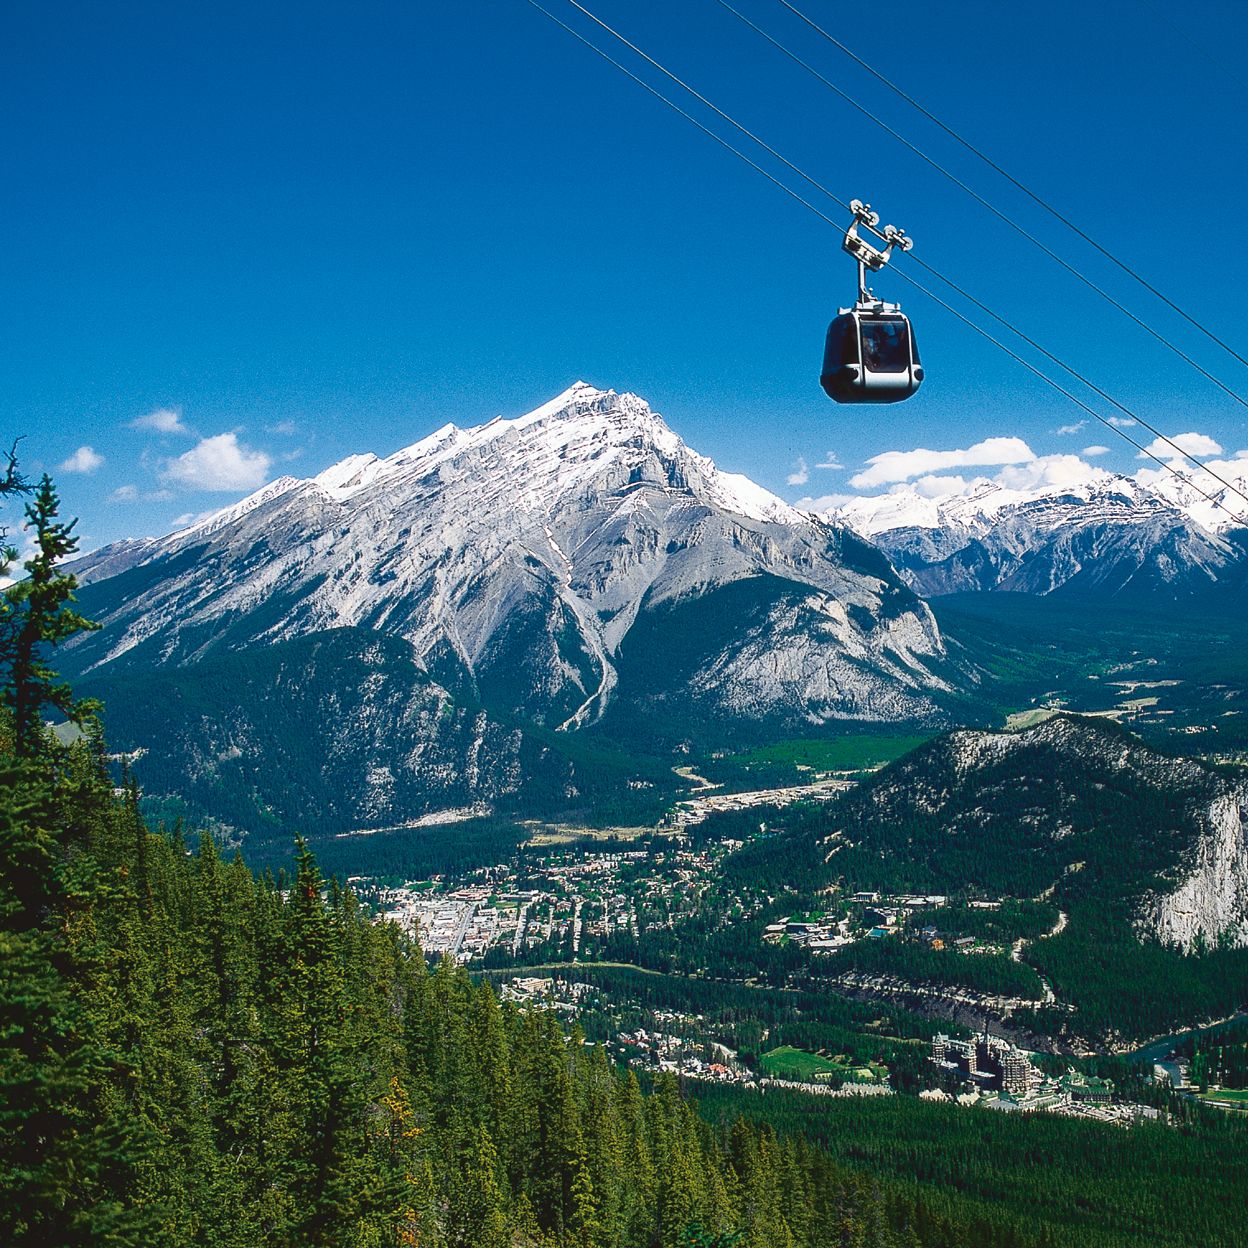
pixel 869 256
pixel 866 253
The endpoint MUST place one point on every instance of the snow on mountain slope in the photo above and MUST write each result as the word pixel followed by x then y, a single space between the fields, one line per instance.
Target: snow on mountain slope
pixel 518 555
pixel 1111 535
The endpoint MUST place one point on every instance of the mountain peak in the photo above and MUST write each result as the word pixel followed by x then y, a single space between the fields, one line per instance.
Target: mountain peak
pixel 620 410
pixel 515 557
pixel 577 392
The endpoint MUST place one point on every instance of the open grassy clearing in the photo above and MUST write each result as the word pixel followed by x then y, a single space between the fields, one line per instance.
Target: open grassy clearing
pixel 570 834
pixel 787 1062
pixel 1228 1096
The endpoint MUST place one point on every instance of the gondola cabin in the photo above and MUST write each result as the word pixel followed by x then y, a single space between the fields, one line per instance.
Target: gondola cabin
pixel 870 356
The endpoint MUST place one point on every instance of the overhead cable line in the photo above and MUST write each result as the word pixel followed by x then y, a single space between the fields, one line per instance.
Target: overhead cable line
pixel 1091 385
pixel 749 134
pixel 1026 190
pixel 906 277
pixel 979 199
pixel 1185 35
pixel 1144 451
pixel 689 117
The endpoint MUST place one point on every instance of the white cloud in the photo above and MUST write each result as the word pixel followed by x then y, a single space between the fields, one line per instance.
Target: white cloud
pixel 1091 451
pixel 1061 471
pixel 1234 470
pixel 130 494
pixel 800 474
pixel 1197 444
pixel 162 420
pixel 937 486
pixel 220 463
pixel 84 459
pixel 1121 422
pixel 191 517
pixel 284 427
pixel 1065 429
pixel 831 463
pixel 902 465
pixel 825 502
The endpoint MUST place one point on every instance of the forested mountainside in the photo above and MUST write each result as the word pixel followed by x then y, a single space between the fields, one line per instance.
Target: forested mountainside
pixel 1145 856
pixel 1072 807
pixel 342 731
pixel 194 1056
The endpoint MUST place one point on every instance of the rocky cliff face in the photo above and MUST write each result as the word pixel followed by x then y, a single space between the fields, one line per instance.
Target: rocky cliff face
pixel 1209 904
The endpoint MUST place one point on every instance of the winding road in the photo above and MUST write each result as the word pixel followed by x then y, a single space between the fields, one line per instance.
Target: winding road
pixel 1016 952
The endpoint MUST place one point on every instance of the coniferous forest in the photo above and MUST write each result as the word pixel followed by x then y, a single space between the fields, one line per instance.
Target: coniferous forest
pixel 191 1054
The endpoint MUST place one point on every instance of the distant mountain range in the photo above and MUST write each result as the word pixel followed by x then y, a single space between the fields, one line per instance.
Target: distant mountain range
pixel 431 630
pixel 1111 537
pixel 576 566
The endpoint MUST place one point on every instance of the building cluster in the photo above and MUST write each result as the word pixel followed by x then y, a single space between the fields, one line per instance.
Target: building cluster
pixel 987 1063
pixel 566 997
pixel 870 916
pixel 456 924
pixel 662 1051
pixel 821 935
pixel 997 1074
pixel 555 904
pixel 900 904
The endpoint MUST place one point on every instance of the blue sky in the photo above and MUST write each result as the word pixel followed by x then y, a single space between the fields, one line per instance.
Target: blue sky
pixel 243 240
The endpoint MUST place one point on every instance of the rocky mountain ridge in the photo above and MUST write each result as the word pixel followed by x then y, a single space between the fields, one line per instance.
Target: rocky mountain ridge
pixel 516 557
pixel 1165 835
pixel 1112 536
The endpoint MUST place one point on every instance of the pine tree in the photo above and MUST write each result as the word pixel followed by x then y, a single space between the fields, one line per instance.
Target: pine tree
pixel 38 617
pixel 475 1207
pixel 638 1198
pixel 325 1150
pixel 409 1165
pixel 584 1223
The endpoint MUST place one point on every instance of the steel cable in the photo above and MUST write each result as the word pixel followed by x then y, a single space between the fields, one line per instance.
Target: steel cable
pixel 1026 190
pixel 1144 451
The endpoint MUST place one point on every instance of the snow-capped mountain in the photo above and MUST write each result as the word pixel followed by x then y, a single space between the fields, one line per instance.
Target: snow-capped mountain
pixel 1110 535
pixel 545 566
